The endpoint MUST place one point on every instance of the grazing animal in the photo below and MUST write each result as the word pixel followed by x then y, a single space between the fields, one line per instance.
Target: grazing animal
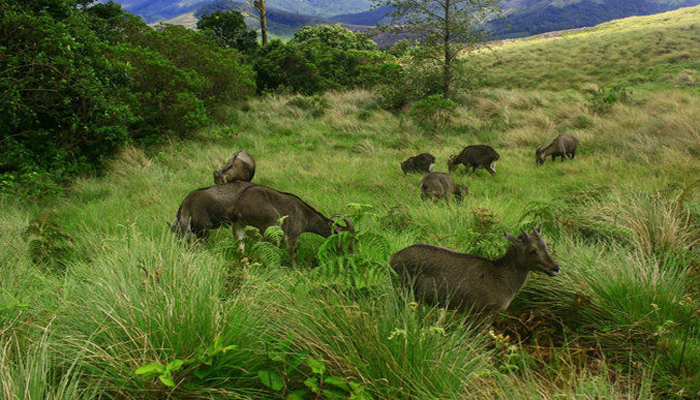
pixel 470 283
pixel 439 185
pixel 205 209
pixel 423 162
pixel 262 207
pixel 562 146
pixel 473 157
pixel 240 167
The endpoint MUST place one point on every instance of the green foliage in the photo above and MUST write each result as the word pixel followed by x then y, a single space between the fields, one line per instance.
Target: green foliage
pixel 296 374
pixel 48 244
pixel 332 36
pixel 268 248
pixel 320 59
pixel 602 100
pixel 164 371
pixel 230 29
pixel 443 29
pixel 79 84
pixel 434 113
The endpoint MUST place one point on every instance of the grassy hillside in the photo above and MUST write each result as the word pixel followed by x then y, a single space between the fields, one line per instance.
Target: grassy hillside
pixel 647 51
pixel 95 286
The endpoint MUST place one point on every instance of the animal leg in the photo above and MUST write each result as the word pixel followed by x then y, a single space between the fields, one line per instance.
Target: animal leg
pixel 292 248
pixel 572 154
pixel 239 233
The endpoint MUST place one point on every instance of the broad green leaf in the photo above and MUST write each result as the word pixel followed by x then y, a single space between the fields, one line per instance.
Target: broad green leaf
pixel 167 379
pixel 271 379
pixel 318 367
pixel 174 365
pixel 312 383
pixel 152 367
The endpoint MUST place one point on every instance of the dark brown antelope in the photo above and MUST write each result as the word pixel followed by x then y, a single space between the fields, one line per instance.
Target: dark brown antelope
pixel 469 283
pixel 562 146
pixel 423 162
pixel 439 185
pixel 475 156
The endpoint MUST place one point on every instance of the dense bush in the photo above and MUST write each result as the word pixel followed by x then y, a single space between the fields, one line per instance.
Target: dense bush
pixel 322 58
pixel 79 83
pixel 58 109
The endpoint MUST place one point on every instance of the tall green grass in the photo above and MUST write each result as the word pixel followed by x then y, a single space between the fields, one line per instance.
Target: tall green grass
pixel 621 219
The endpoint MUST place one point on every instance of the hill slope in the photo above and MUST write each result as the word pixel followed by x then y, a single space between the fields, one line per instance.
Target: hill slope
pixel 529 17
pixel 658 48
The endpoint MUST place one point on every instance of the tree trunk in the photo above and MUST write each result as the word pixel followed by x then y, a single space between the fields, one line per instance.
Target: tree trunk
pixel 260 7
pixel 446 71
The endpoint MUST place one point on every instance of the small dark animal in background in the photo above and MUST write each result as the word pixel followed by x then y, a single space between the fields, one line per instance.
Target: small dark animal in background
pixel 262 207
pixel 205 209
pixel 439 185
pixel 475 156
pixel 240 167
pixel 469 283
pixel 562 146
pixel 423 162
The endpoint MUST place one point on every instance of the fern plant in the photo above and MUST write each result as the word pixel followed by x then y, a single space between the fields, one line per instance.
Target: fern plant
pixel 268 248
pixel 48 245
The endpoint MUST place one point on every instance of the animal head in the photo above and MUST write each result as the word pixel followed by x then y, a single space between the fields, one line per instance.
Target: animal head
pixel 539 154
pixel 532 251
pixel 451 164
pixel 404 166
pixel 460 192
pixel 219 177
pixel 347 225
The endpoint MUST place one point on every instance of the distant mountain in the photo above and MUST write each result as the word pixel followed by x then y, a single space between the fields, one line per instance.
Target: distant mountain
pixel 158 10
pixel 530 17
pixel 520 17
pixel 365 18
pixel 279 22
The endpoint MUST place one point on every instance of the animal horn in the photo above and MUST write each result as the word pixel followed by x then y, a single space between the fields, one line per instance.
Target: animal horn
pixel 510 237
pixel 348 223
pixel 537 230
pixel 527 236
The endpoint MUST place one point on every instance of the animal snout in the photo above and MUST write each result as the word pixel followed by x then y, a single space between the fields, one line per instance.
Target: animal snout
pixel 555 270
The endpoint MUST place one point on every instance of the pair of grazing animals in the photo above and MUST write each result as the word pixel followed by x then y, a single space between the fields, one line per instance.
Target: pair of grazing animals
pixel 473 157
pixel 436 275
pixel 237 202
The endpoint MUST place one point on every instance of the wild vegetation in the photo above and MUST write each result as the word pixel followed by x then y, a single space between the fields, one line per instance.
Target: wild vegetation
pixel 98 299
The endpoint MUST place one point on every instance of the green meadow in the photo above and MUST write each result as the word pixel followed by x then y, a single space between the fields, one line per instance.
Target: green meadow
pixel 99 300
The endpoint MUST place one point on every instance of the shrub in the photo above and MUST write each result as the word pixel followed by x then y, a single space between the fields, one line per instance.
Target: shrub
pixel 602 100
pixel 433 113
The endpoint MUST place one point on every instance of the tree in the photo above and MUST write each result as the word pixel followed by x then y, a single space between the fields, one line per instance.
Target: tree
pixel 230 28
pixel 443 27
pixel 259 14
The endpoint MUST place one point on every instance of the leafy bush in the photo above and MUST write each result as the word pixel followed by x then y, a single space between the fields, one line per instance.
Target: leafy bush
pixel 602 100
pixel 333 36
pixel 59 112
pixel 433 113
pixel 80 83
